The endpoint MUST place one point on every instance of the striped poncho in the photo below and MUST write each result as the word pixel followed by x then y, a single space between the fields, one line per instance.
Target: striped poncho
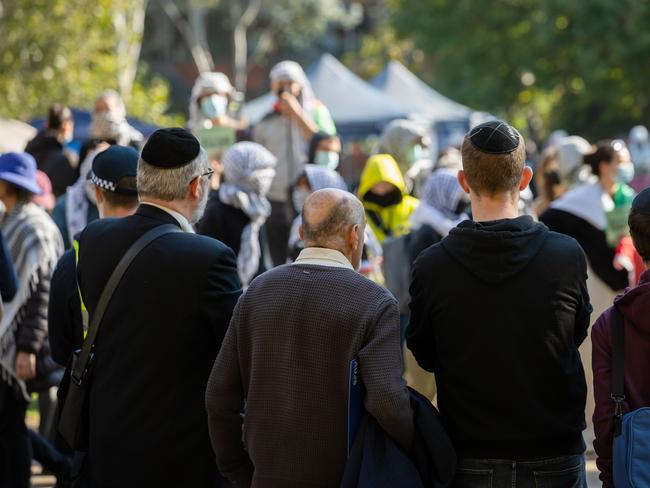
pixel 35 246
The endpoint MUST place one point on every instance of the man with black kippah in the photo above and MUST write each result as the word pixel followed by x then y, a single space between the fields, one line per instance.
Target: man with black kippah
pixel 498 310
pixel 162 329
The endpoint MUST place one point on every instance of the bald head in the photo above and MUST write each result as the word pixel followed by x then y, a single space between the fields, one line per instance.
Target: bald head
pixel 328 216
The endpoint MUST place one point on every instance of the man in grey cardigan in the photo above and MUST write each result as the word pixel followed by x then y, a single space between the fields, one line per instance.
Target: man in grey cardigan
pixel 287 354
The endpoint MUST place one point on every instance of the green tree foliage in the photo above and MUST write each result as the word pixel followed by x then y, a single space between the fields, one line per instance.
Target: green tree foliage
pixel 580 65
pixel 381 46
pixel 66 51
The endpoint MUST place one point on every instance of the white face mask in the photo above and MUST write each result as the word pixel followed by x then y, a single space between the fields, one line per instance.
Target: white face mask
pixel 298 198
pixel 329 159
pixel 214 106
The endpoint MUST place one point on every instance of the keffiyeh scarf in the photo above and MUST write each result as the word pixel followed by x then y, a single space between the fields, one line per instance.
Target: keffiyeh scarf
pixel 35 246
pixel 248 171
pixel 441 195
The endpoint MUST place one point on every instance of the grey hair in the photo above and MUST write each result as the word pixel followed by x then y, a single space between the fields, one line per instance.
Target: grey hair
pixel 169 184
pixel 346 212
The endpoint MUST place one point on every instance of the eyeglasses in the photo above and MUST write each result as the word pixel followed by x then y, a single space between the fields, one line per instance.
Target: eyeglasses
pixel 208 173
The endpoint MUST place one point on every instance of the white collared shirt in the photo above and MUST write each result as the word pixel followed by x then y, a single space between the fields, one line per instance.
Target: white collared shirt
pixel 323 257
pixel 182 221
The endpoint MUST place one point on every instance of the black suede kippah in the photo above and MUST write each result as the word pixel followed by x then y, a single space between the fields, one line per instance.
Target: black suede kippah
pixel 494 137
pixel 641 202
pixel 170 148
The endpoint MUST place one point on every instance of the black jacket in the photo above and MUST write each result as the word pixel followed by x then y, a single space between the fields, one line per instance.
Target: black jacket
pixel 64 315
pixel 594 243
pixel 61 165
pixel 498 311
pixel 226 223
pixel 32 337
pixel 376 461
pixel 158 341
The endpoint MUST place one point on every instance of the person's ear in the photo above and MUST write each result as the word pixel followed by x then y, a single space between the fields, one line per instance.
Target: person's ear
pixel 195 188
pixel 462 181
pixel 526 176
pixel 353 237
pixel 301 233
pixel 99 195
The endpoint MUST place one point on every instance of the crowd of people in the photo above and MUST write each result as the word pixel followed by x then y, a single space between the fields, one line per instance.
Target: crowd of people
pixel 261 315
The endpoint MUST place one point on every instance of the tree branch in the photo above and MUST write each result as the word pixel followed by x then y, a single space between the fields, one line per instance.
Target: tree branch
pixel 200 55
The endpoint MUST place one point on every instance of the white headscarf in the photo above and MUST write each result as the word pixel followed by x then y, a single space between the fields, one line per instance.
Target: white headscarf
pixel 248 170
pixel 292 71
pixel 207 83
pixel 441 195
pixel 570 154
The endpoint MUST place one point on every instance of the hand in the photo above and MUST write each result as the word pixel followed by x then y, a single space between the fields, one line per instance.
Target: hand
pixel 289 105
pixel 25 366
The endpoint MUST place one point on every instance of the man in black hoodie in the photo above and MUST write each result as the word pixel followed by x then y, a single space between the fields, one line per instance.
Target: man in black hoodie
pixel 498 311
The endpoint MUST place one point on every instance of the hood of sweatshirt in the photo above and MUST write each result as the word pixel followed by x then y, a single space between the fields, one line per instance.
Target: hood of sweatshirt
pixel 496 251
pixel 634 304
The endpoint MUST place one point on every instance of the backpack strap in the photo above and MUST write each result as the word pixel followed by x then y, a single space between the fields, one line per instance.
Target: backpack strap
pixel 618 362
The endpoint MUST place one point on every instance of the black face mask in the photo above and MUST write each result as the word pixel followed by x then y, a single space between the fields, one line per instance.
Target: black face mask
pixel 392 198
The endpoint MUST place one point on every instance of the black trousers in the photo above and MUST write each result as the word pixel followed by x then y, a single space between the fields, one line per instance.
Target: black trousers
pixel 277 229
pixel 15 452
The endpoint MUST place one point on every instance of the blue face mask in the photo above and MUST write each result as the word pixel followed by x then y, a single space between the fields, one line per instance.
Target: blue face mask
pixel 69 137
pixel 625 173
pixel 214 106
pixel 329 159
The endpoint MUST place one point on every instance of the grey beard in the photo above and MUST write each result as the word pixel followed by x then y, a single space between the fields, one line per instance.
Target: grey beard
pixel 200 209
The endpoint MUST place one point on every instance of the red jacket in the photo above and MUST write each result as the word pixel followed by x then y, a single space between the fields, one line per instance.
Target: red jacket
pixel 634 304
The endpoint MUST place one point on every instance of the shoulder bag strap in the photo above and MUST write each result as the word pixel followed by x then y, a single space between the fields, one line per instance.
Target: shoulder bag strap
pixel 618 361
pixel 81 365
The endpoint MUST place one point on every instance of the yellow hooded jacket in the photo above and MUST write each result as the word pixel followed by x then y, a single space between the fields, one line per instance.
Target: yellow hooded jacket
pixel 390 221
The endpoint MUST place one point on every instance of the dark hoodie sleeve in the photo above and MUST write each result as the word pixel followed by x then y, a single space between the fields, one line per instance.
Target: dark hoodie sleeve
pixel 584 309
pixel 419 333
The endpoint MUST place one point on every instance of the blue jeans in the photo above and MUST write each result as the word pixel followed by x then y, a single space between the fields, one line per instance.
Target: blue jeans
pixel 560 472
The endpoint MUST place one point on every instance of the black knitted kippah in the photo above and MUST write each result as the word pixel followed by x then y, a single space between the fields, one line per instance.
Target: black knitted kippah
pixel 641 202
pixel 170 148
pixel 494 137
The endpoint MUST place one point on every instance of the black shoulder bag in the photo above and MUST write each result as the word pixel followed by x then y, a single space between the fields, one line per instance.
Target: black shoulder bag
pixel 73 424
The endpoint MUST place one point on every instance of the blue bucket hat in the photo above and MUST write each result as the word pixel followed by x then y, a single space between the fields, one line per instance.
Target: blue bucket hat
pixel 19 169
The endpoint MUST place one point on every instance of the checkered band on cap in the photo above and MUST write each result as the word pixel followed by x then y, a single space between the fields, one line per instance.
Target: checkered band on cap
pixel 103 184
